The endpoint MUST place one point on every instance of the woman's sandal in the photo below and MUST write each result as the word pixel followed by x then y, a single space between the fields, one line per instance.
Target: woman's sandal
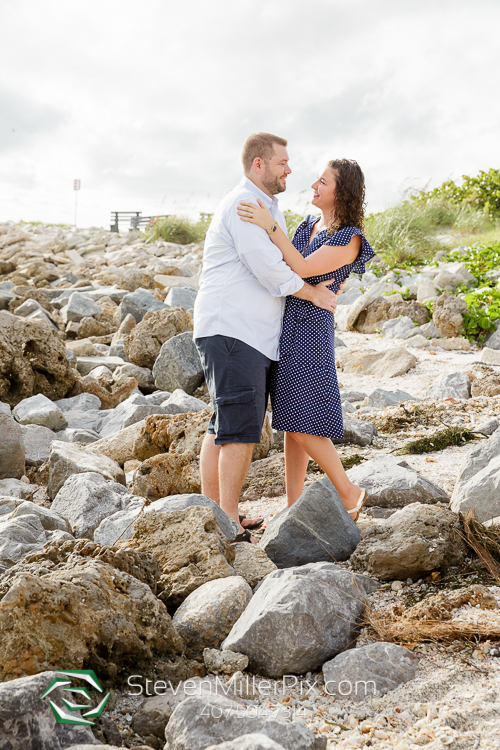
pixel 256 524
pixel 357 509
pixel 245 536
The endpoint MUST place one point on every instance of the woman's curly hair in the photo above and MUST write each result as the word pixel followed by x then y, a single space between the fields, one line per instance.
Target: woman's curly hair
pixel 350 203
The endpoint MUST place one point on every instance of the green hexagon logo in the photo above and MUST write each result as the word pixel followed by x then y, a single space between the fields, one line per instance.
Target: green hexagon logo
pixel 76 696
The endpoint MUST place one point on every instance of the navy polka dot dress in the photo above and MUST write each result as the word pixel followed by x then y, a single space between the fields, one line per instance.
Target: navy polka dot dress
pixel 304 389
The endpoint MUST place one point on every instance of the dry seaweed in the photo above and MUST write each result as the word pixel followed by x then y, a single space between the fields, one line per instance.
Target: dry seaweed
pixel 438 441
pixel 349 461
pixel 484 541
pixel 405 416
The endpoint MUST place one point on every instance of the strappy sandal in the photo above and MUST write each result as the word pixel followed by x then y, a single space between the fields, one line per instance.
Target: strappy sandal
pixel 245 536
pixel 251 524
pixel 357 509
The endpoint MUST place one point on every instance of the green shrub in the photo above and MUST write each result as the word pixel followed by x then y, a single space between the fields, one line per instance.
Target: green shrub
pixel 292 222
pixel 180 229
pixel 481 193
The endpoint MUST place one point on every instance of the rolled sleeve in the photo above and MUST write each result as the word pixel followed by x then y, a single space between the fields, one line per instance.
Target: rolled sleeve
pixel 262 257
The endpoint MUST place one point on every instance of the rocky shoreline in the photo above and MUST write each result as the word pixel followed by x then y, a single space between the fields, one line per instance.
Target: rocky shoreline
pixel 112 561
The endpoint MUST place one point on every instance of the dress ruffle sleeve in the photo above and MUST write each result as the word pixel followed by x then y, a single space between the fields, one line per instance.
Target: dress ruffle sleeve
pixel 343 237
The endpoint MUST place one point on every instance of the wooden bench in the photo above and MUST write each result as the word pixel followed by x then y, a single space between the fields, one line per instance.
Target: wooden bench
pixel 134 218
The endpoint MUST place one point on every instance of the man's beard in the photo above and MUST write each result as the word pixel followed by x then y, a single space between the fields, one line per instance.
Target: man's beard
pixel 272 183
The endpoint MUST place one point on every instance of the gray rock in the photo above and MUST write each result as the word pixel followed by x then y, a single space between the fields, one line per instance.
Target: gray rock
pixel 180 402
pixel 180 296
pixel 453 385
pixel 83 402
pixel 392 483
pixel 83 420
pixel 489 427
pixel 86 499
pixel 479 481
pixel 5 298
pixel 158 397
pixel 338 342
pixel 361 672
pixel 348 408
pixel 5 409
pixel 252 741
pixel 352 396
pixel 143 375
pixel 348 297
pixel 112 527
pixel 196 724
pixel 85 365
pixel 40 410
pixel 50 520
pixel 76 435
pixel 21 535
pixel 412 543
pixel 28 722
pixel 67 459
pixel 12 448
pixel 428 330
pixel 224 662
pixel 178 365
pixel 447 281
pixel 16 488
pixel 126 414
pixel 138 303
pixel 380 398
pixel 357 431
pixel 9 504
pixel 398 328
pixel 30 306
pixel 207 615
pixel 37 440
pixel 79 306
pixel 492 340
pixel 316 527
pixel 117 350
pixel 252 563
pixel 153 714
pixel 299 618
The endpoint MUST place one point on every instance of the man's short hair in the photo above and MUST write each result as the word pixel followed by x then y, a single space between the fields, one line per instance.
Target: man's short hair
pixel 262 145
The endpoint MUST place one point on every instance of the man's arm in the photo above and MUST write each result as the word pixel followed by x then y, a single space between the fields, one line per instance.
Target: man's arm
pixel 319 295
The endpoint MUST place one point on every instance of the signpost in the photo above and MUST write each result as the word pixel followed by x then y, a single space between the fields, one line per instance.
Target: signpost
pixel 77 185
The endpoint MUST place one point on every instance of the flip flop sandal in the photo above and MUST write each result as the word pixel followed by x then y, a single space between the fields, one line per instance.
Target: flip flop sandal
pixel 245 536
pixel 256 524
pixel 357 509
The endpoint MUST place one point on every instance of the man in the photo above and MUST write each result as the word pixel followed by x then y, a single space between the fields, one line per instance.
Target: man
pixel 237 320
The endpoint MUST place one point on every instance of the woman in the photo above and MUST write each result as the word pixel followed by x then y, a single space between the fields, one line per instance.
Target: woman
pixel 304 391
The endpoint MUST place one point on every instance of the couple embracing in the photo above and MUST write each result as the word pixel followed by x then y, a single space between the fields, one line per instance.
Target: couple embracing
pixel 264 323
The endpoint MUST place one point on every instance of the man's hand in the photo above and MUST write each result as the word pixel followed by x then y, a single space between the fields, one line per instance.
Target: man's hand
pixel 319 295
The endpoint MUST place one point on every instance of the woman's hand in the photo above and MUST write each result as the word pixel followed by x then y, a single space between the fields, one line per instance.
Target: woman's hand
pixel 259 215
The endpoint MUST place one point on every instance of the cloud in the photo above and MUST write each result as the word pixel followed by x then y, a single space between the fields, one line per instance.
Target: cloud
pixel 22 119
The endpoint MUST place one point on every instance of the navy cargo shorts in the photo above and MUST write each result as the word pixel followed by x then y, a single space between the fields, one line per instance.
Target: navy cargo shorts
pixel 237 377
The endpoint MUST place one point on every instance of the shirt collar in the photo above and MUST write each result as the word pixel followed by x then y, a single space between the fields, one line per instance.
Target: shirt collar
pixel 268 200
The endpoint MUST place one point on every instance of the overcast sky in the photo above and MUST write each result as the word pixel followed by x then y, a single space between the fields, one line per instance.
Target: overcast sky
pixel 148 102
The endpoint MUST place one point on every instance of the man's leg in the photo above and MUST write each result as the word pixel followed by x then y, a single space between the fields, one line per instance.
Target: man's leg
pixel 234 463
pixel 209 468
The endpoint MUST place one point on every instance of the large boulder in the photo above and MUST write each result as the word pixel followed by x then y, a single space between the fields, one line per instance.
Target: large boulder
pixel 207 615
pixel 453 385
pixel 142 346
pixel 478 486
pixel 50 520
pixel 12 448
pixel 316 527
pixel 356 431
pixel 361 672
pixel 40 410
pixel 122 523
pixel 189 548
pixel 37 441
pixel 411 543
pixel 21 535
pixel 392 483
pixel 299 618
pixel 380 399
pixel 167 474
pixel 447 314
pixel 32 360
pixel 347 315
pixel 67 459
pixel 381 310
pixel 178 365
pixel 28 722
pixel 196 724
pixel 265 478
pixel 79 306
pixel 81 613
pixel 387 364
pixel 86 499
pixel 139 303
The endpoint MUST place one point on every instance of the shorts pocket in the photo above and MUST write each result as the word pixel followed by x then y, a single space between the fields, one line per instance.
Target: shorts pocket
pixel 237 414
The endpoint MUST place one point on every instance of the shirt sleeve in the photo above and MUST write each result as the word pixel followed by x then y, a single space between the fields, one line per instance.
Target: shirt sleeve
pixel 261 256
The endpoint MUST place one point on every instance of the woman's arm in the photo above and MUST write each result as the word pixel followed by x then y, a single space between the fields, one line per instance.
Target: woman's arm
pixel 324 260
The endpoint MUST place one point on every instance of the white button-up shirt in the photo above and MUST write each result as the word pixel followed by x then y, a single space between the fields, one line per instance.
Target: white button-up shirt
pixel 244 280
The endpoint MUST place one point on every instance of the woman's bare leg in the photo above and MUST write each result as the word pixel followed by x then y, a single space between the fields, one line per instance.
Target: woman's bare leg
pixel 322 450
pixel 296 460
